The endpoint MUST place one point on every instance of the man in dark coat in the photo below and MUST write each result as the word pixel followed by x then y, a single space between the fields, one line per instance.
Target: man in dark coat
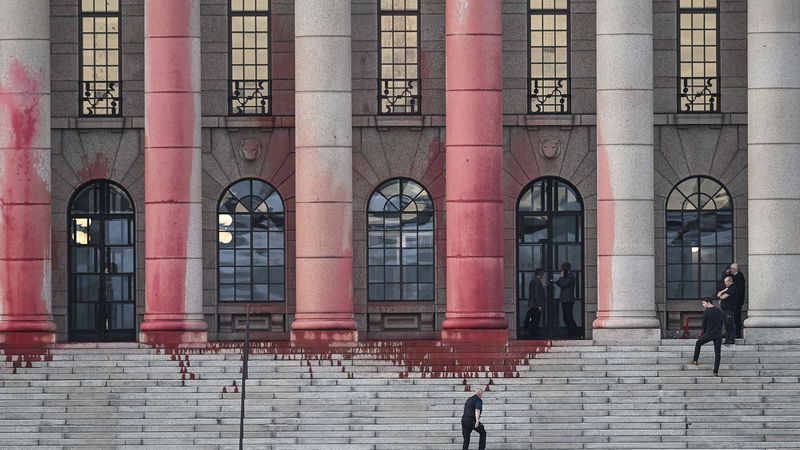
pixel 729 297
pixel 712 331
pixel 471 420
pixel 537 296
pixel 567 299
pixel 739 282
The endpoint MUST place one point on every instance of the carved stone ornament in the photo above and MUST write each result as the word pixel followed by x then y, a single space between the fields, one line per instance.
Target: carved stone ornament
pixel 549 149
pixel 250 149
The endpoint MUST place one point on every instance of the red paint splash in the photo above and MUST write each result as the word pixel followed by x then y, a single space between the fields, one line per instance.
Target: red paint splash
pixel 605 232
pixel 24 204
pixel 96 169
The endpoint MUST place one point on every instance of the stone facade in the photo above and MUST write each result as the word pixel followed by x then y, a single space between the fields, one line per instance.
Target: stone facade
pixel 384 147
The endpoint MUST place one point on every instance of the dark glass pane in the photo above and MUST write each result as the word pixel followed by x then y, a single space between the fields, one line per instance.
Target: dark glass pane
pixel 673 255
pixel 85 316
pixel 87 288
pixel 120 260
pixel 409 291
pixel 85 260
pixel 260 221
pixel 118 201
pixel 392 257
pixel 276 275
pixel 375 239
pixel 525 258
pixel 121 316
pixel 119 232
pixel 242 222
pixel 409 222
pixel 425 291
pixel 534 229
pixel 425 274
pixel 566 200
pixel 390 188
pixel 425 256
pixel 376 291
pixel 392 291
pixel 228 203
pixel 524 203
pixel 392 274
pixel 277 292
pixel 708 238
pixel 708 220
pixel 241 189
pixel 410 274
pixel 691 272
pixel 260 293
pixel 724 255
pixel 260 275
pixel 708 255
pixel 242 257
pixel 243 293
pixel 391 221
pixel 674 290
pixel 87 201
pixel 570 254
pixel 690 290
pixel 376 274
pixel 260 239
pixel 708 289
pixel 674 272
pixel 120 288
pixel 391 239
pixel 377 203
pixel 226 275
pixel 376 257
pixel 425 239
pixel 275 203
pixel 410 240
pixel 242 239
pixel 260 257
pixel 425 222
pixel 261 189
pixel 86 231
pixel 411 189
pixel 275 240
pixel 565 229
pixel 708 272
pixel 424 204
pixel 409 256
pixel 276 257
pixel 227 293
pixel 243 275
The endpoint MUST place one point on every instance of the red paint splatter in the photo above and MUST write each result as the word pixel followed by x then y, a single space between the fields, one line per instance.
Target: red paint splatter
pixel 96 169
pixel 605 232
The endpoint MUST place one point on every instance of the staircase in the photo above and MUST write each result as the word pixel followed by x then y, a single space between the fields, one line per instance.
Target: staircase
pixel 393 394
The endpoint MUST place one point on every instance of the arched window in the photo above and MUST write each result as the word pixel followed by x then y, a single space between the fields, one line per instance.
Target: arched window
pixel 251 243
pixel 699 237
pixel 400 227
pixel 102 278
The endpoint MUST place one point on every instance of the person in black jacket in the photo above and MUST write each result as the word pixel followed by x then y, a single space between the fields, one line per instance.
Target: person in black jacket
pixel 712 331
pixel 739 282
pixel 471 420
pixel 567 299
pixel 537 296
pixel 729 296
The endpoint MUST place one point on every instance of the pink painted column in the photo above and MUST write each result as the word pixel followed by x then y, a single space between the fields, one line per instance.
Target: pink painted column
pixel 324 173
pixel 25 214
pixel 474 172
pixel 173 259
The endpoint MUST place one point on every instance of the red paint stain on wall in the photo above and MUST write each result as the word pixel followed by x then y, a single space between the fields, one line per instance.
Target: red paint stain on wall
pixel 96 169
pixel 605 231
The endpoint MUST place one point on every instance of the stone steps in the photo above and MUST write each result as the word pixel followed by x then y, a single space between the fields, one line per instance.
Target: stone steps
pixel 377 395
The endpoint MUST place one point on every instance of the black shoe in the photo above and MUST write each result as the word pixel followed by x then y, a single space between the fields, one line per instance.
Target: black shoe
pixel 729 343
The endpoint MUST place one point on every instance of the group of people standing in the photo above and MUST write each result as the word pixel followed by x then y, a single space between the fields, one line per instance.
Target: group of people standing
pixel 537 299
pixel 730 313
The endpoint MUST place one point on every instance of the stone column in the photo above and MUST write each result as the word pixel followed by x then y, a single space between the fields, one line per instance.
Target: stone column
pixel 773 168
pixel 473 39
pixel 173 264
pixel 25 211
pixel 323 172
pixel 625 172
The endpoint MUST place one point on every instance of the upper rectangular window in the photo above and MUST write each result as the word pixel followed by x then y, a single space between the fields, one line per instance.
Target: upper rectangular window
pixel 698 62
pixel 399 82
pixel 250 84
pixel 548 39
pixel 100 77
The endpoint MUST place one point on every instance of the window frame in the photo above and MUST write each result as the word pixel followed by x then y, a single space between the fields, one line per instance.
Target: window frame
pixel 415 102
pixel 566 97
pixel 683 97
pixel 268 97
pixel 81 82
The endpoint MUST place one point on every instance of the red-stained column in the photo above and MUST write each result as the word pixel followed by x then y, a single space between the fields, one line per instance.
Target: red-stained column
pixel 173 264
pixel 474 172
pixel 324 173
pixel 25 217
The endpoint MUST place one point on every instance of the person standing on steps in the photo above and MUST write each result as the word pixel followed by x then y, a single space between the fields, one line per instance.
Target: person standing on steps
pixel 471 420
pixel 566 297
pixel 712 331
pixel 536 299
pixel 739 282
pixel 729 297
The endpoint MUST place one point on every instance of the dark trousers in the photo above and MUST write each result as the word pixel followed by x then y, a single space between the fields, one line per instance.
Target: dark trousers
pixel 466 431
pixel 717 348
pixel 730 324
pixel 737 318
pixel 533 327
pixel 569 319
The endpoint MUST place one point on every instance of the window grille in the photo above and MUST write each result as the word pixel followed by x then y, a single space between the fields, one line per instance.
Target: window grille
pixel 548 39
pixel 250 56
pixel 698 61
pixel 399 82
pixel 100 58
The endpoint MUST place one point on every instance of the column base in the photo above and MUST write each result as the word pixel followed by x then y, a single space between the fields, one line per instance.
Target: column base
pixel 475 336
pixel 27 339
pixel 173 337
pixel 771 335
pixel 324 338
pixel 626 335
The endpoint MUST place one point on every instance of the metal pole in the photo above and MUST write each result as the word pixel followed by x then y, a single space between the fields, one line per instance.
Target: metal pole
pixel 245 353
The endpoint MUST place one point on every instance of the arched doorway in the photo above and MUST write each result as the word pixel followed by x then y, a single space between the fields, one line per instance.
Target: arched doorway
pixel 102 276
pixel 549 233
